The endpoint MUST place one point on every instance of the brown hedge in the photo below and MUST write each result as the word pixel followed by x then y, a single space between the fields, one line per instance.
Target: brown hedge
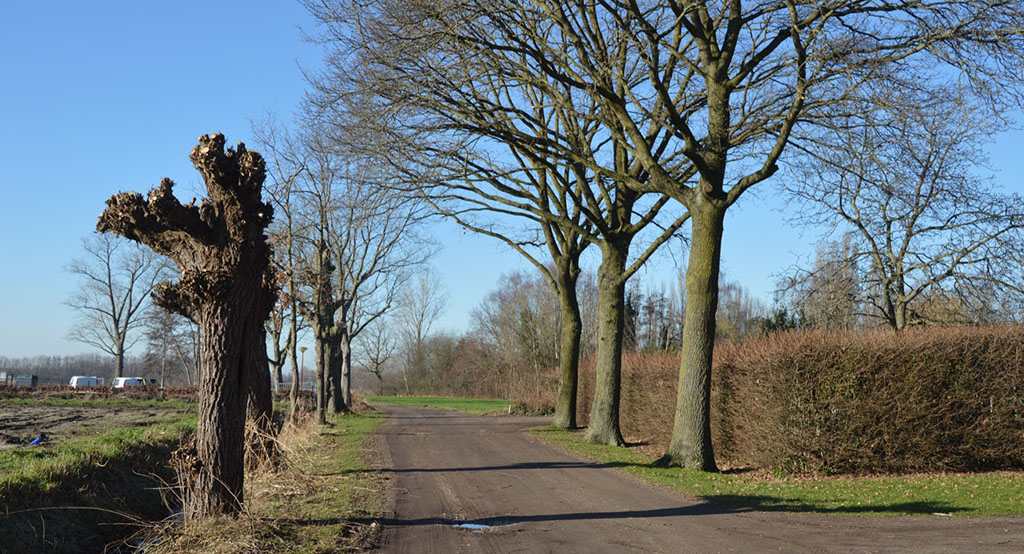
pixel 928 399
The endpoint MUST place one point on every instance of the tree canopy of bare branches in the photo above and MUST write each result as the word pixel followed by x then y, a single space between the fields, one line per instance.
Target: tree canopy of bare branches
pixel 904 180
pixel 485 135
pixel 703 98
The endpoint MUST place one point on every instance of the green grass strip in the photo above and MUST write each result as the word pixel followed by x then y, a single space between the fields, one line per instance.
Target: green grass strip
pixel 999 493
pixel 468 405
pixel 43 468
pixel 79 494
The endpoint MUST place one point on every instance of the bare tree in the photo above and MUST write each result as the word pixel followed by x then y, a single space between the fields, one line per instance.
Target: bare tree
pixel 353 242
pixel 305 182
pixel 227 287
pixel 902 178
pixel 419 306
pixel 377 346
pixel 376 249
pixel 117 278
pixel 169 337
pixel 287 165
pixel 827 296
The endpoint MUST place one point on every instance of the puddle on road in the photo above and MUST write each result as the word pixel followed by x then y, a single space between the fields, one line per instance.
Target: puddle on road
pixel 480 527
pixel 474 527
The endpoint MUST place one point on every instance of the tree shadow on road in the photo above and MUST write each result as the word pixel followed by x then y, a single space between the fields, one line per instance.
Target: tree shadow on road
pixel 715 505
pixel 505 467
pixel 765 503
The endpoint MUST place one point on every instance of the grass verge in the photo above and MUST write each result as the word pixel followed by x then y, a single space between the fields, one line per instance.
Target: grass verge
pixel 82 493
pixel 468 405
pixel 315 501
pixel 997 493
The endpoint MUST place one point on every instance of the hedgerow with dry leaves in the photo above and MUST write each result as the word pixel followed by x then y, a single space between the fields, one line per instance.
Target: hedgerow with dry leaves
pixel 816 402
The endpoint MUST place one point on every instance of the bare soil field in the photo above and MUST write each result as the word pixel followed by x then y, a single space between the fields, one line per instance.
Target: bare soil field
pixel 20 422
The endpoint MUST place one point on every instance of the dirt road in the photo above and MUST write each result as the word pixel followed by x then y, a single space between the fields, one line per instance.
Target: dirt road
pixel 462 483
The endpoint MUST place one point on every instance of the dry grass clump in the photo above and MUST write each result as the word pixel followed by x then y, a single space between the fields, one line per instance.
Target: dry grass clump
pixel 302 497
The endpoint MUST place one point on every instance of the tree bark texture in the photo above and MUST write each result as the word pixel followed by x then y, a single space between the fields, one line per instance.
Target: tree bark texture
pixel 324 354
pixel 227 287
pixel 603 427
pixel 899 321
pixel 260 402
pixel 691 433
pixel 278 377
pixel 335 396
pixel 346 372
pixel 569 352
pixel 119 362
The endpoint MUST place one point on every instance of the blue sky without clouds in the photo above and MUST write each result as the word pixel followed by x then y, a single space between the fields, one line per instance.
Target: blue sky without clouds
pixel 99 97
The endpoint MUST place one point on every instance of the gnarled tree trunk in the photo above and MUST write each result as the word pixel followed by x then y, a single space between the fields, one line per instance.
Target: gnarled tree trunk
pixel 227 287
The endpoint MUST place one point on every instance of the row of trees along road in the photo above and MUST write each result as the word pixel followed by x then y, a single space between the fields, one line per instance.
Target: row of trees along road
pixel 581 112
pixel 553 126
pixel 345 247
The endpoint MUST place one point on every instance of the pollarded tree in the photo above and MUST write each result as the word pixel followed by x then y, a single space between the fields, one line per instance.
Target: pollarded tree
pixel 117 278
pixel 227 286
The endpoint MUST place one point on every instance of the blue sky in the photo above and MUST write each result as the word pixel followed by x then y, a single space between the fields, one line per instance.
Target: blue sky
pixel 98 97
